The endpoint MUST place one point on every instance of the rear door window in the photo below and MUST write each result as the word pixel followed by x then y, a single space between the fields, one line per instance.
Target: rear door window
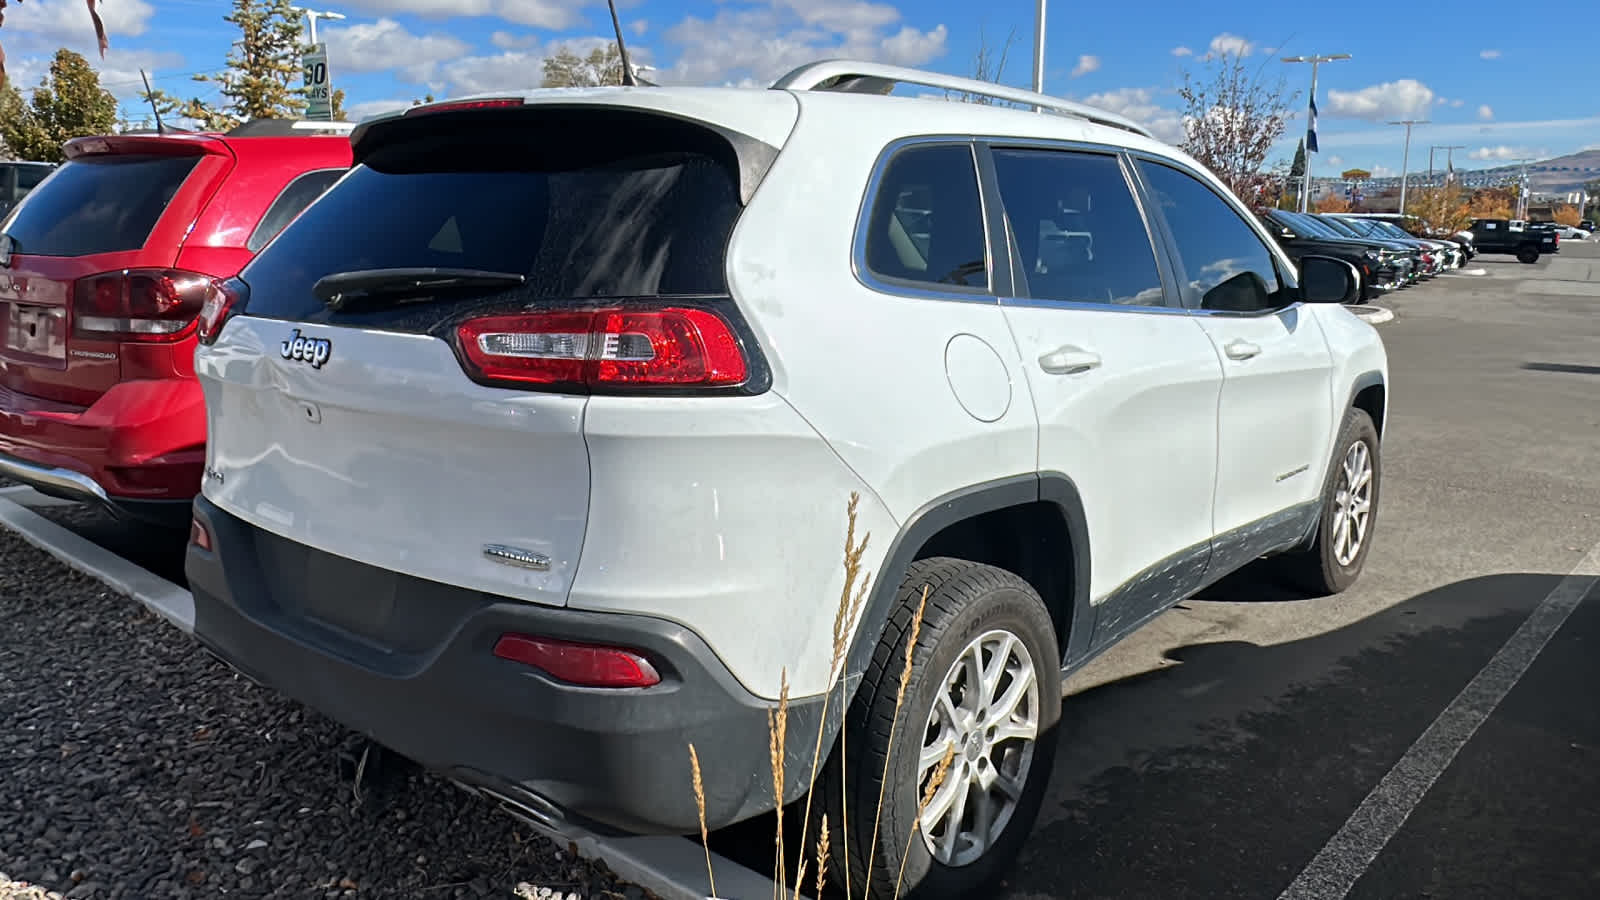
pixel 623 221
pixel 100 204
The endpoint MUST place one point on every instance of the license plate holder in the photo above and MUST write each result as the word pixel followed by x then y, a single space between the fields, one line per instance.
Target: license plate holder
pixel 37 330
pixel 349 596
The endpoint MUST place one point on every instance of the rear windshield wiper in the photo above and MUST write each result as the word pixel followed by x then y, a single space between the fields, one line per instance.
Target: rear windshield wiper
pixel 341 289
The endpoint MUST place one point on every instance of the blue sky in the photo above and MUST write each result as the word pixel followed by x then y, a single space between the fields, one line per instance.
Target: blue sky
pixel 1499 86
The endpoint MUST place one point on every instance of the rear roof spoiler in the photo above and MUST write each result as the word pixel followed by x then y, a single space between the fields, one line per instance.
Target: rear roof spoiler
pixel 289 128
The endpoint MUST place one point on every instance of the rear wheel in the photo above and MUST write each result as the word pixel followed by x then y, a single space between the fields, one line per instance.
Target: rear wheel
pixel 1527 254
pixel 984 691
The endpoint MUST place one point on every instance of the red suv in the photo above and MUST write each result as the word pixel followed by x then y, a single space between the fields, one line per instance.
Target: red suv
pixel 103 271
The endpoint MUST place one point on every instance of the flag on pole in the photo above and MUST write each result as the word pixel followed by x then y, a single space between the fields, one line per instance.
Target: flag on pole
pixel 1311 128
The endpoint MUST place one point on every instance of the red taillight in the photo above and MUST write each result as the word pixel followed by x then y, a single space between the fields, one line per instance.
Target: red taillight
pixel 456 105
pixel 219 302
pixel 662 347
pixel 138 304
pixel 588 665
pixel 198 535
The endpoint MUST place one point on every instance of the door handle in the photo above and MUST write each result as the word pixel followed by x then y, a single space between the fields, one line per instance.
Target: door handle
pixel 1069 360
pixel 1241 350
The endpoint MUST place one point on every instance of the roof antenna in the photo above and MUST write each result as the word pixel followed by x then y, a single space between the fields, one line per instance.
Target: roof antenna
pixel 622 48
pixel 148 95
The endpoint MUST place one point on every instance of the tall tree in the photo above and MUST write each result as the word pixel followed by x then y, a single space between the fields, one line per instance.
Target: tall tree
pixel 1231 119
pixel 1443 208
pixel 1566 214
pixel 262 80
pixel 68 103
pixel 988 66
pixel 1333 202
pixel 602 66
pixel 1298 167
pixel 94 18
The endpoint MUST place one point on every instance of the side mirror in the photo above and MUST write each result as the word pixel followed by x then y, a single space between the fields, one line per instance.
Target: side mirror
pixel 1324 279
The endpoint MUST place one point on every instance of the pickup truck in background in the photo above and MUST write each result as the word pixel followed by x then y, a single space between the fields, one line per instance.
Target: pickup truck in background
pixel 1512 236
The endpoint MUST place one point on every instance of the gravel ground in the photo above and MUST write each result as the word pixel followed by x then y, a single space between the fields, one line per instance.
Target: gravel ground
pixel 133 765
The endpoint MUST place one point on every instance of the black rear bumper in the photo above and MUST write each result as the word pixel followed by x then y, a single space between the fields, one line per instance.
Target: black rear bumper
pixel 410 664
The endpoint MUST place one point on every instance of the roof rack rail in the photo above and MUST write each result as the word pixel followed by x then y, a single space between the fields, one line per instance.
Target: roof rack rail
pixel 861 77
pixel 287 127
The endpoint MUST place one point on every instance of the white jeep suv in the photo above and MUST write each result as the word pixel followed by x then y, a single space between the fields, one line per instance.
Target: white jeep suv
pixel 532 441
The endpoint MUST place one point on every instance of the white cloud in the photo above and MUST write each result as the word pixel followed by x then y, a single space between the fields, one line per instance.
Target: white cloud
pixel 386 44
pixel 355 112
pixel 119 74
pixel 56 23
pixel 1139 105
pixel 1086 64
pixel 1335 161
pixel 516 70
pixel 1383 172
pixel 1457 103
pixel 1485 112
pixel 751 42
pixel 1401 99
pixel 1490 54
pixel 551 14
pixel 1182 52
pixel 1442 101
pixel 1230 44
pixel 1503 153
pixel 505 40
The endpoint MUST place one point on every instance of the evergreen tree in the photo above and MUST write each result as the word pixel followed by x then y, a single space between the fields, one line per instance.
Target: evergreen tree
pixel 68 103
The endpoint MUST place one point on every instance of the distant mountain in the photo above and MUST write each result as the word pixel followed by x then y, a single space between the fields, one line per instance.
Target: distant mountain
pixel 1564 173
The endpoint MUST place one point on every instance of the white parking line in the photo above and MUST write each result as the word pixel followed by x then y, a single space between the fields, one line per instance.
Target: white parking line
pixel 1347 856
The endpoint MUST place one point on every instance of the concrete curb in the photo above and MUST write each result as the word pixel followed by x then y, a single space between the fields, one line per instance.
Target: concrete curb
pixel 160 596
pixel 673 868
pixel 1375 315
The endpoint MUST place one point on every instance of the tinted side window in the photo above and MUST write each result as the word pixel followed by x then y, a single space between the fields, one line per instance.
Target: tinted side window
pixel 28 178
pixel 295 197
pixel 1228 266
pixel 927 221
pixel 1078 230
pixel 99 205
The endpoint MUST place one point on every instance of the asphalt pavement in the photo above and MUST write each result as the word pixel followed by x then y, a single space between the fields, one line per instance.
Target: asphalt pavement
pixel 1432 732
pixel 1222 750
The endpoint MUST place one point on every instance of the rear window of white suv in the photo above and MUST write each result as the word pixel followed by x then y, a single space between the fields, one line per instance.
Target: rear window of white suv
pixel 625 220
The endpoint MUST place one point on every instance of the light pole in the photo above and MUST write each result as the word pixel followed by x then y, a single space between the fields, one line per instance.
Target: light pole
pixel 1038 47
pixel 1314 60
pixel 312 15
pixel 1450 159
pixel 1405 163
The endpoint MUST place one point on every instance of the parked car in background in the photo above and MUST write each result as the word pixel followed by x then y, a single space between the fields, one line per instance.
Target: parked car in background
pixel 1421 228
pixel 531 458
pixel 17 178
pixel 1511 236
pixel 1408 250
pixel 1433 256
pixel 1587 225
pixel 1382 268
pixel 1551 234
pixel 1452 255
pixel 1570 232
pixel 103 273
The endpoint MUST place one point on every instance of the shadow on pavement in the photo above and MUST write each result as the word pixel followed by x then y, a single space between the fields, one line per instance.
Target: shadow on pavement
pixel 1223 774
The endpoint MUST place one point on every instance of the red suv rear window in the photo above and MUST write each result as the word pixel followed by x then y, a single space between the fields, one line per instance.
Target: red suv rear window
pixel 101 204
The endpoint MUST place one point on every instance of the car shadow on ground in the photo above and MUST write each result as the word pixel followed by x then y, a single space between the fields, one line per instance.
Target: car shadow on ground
pixel 1222 772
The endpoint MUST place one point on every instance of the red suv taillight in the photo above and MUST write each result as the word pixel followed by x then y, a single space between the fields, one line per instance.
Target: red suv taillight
pixel 671 347
pixel 139 304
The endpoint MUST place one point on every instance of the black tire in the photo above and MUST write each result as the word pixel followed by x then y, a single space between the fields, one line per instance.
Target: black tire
pixel 965 601
pixel 1315 569
pixel 1527 255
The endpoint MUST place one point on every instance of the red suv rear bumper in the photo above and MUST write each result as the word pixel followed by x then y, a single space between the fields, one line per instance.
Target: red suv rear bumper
pixel 140 448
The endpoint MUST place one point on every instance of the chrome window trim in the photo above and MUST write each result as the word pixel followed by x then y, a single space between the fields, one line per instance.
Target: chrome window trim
pixel 913 290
